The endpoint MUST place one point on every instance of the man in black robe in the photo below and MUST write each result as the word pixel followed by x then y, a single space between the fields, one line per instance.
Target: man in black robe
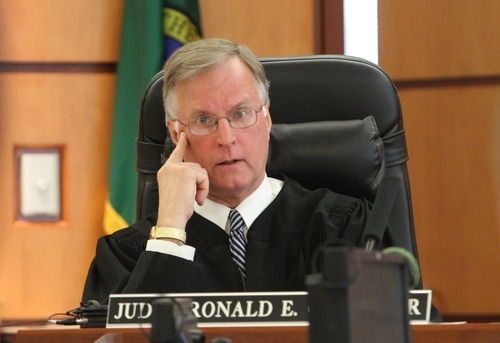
pixel 217 107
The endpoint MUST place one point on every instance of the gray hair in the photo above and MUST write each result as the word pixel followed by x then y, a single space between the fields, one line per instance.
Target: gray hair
pixel 197 57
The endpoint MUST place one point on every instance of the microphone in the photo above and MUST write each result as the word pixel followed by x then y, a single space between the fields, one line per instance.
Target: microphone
pixel 382 208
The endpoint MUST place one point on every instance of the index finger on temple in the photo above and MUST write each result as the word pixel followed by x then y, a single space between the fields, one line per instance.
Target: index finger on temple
pixel 178 154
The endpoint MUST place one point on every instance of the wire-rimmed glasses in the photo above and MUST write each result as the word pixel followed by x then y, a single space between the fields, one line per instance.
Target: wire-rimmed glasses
pixel 240 118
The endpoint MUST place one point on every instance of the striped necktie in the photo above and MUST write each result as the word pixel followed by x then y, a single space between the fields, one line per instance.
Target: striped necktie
pixel 237 243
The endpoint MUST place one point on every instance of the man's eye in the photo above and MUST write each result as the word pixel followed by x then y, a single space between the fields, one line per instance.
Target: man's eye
pixel 240 113
pixel 204 120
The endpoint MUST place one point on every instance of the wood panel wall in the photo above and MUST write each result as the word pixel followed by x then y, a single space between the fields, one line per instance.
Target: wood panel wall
pixel 445 59
pixel 57 81
pixel 269 28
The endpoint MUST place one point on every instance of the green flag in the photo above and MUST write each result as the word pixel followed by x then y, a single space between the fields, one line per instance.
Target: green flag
pixel 143 49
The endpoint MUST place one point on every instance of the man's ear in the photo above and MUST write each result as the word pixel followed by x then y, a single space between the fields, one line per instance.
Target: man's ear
pixel 173 128
pixel 268 119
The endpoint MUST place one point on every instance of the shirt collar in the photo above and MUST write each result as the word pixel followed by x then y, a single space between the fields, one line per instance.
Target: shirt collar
pixel 250 208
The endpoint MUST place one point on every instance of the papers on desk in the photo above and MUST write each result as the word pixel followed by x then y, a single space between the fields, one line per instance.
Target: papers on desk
pixel 443 323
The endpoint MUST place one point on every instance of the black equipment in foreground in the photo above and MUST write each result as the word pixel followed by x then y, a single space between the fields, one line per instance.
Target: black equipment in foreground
pixel 173 322
pixel 359 297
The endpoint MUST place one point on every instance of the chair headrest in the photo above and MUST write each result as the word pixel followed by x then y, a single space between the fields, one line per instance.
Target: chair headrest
pixel 346 156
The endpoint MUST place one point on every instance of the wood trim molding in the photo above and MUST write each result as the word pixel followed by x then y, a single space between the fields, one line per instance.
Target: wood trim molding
pixel 448 82
pixel 329 27
pixel 57 67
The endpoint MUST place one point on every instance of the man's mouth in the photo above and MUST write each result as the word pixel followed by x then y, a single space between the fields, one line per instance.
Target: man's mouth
pixel 229 162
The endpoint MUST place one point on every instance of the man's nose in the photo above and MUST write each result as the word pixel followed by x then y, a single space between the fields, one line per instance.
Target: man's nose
pixel 224 131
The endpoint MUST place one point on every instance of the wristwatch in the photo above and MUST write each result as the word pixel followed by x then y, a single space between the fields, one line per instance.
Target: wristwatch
pixel 159 232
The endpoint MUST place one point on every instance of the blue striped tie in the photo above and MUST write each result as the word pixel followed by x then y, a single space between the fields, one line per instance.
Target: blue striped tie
pixel 237 243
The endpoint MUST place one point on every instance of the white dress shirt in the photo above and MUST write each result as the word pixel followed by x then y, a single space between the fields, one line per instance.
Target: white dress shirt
pixel 249 209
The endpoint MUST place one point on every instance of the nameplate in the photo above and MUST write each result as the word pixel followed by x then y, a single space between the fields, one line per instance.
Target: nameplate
pixel 239 309
pixel 419 306
pixel 215 309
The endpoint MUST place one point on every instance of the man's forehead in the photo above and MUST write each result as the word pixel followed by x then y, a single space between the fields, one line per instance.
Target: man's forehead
pixel 207 109
pixel 225 87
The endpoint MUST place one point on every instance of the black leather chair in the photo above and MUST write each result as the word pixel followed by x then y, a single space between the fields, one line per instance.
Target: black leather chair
pixel 326 110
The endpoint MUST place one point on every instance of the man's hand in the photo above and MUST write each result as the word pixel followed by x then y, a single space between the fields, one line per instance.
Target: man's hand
pixel 179 185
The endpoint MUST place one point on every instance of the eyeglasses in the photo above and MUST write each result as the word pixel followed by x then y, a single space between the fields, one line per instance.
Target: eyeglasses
pixel 241 118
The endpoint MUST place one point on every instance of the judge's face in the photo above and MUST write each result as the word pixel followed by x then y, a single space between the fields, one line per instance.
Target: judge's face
pixel 234 158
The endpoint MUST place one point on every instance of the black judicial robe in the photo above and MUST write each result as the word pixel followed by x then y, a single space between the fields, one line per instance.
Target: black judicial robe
pixel 281 243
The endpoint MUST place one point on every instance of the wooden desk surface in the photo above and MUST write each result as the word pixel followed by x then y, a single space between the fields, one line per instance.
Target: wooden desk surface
pixel 442 333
